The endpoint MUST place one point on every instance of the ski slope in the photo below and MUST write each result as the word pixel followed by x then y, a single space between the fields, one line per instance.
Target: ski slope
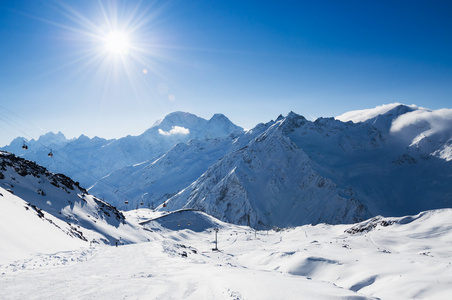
pixel 381 258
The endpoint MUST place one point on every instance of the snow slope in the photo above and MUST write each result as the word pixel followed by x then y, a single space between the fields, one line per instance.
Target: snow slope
pixel 381 258
pixel 24 230
pixel 59 200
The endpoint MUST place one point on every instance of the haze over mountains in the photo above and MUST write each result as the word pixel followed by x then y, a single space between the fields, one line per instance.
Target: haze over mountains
pixel 393 160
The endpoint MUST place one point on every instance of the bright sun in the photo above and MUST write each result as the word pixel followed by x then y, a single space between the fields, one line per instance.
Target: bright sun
pixel 117 42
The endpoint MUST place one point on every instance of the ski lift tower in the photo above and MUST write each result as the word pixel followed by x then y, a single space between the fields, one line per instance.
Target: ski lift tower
pixel 216 239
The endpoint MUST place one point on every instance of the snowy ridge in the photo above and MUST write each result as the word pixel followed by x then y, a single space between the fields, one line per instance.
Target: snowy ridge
pixel 59 200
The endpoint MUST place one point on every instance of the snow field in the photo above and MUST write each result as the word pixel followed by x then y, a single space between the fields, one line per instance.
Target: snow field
pixel 22 231
pixel 400 258
pixel 155 271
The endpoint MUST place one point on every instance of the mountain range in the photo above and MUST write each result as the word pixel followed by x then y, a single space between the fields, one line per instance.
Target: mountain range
pixel 392 160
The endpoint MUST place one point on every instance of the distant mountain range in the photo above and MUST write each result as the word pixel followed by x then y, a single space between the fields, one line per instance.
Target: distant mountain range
pixel 392 160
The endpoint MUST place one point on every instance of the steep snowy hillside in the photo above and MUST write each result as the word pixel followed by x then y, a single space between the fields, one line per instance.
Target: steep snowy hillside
pixel 150 183
pixel 87 160
pixel 386 172
pixel 25 229
pixel 269 182
pixel 299 172
pixel 56 196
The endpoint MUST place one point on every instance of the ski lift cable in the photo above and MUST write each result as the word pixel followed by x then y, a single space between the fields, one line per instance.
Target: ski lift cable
pixel 71 165
pixel 13 124
pixel 16 125
pixel 5 129
pixel 75 167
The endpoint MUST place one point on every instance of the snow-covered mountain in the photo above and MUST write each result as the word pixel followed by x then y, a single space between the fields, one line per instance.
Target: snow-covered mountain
pixel 270 182
pixel 29 193
pixel 391 160
pixel 151 183
pixel 299 172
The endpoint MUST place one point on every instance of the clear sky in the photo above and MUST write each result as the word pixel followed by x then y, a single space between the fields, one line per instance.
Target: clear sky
pixel 112 68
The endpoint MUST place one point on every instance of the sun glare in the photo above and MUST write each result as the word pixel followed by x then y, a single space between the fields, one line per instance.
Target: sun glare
pixel 117 42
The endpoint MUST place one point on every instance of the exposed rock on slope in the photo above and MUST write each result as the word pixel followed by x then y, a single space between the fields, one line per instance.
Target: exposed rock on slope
pixel 89 218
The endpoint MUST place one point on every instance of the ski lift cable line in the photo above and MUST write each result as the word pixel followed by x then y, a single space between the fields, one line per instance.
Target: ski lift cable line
pixel 15 124
pixel 22 118
pixel 59 150
pixel 71 165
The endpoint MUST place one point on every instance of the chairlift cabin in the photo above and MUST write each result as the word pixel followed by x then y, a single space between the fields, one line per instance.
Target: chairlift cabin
pixel 50 153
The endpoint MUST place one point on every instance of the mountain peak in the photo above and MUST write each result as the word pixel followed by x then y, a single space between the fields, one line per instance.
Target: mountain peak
pixel 399 110
pixel 52 138
pixel 292 121
pixel 219 116
pixel 279 118
pixel 219 124
pixel 179 118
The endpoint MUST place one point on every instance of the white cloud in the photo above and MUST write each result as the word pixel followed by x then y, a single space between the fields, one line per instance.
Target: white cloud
pixel 432 122
pixel 175 130
pixel 365 114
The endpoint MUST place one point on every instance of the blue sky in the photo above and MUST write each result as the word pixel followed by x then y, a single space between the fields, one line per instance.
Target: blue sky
pixel 250 60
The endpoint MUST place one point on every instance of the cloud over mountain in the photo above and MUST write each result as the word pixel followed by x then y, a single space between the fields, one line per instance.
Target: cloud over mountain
pixel 175 130
pixel 436 121
pixel 365 114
